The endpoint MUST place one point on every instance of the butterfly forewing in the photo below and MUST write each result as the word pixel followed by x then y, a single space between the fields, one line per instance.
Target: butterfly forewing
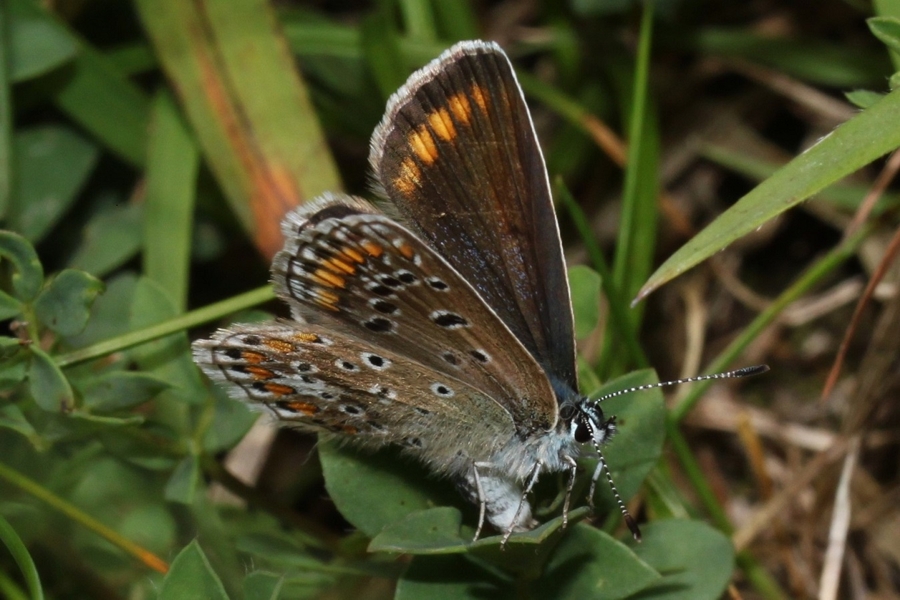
pixel 363 273
pixel 458 157
pixel 326 380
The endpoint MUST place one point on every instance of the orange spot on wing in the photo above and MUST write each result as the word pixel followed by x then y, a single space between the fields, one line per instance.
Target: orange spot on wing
pixel 353 255
pixel 252 357
pixel 460 107
pixel 409 177
pixel 326 278
pixel 260 372
pixel 305 408
pixel 371 248
pixel 279 345
pixel 339 266
pixel 421 142
pixel 479 97
pixel 406 250
pixel 349 429
pixel 279 390
pixel 306 337
pixel 442 124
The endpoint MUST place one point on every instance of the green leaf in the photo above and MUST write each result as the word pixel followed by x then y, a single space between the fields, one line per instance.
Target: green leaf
pixel 53 162
pixel 886 29
pixel 64 304
pixel 29 274
pixel 375 490
pixel 588 563
pixel 13 361
pixel 451 578
pixel 9 306
pixel 48 386
pixel 172 165
pixel 863 98
pixel 191 576
pixel 37 45
pixel 121 390
pixel 23 559
pixel 11 417
pixel 183 484
pixel 867 136
pixel 437 531
pixel 111 238
pixel 584 283
pixel 94 93
pixel 109 313
pixel 696 560
pixel 231 420
pixel 260 585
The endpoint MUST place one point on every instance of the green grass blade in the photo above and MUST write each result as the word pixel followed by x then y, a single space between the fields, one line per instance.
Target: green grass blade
pixel 23 559
pixel 867 136
pixel 172 165
pixel 251 111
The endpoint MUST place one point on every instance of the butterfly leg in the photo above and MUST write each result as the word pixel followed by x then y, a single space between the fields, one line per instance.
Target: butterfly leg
pixel 523 502
pixel 573 468
pixel 597 472
pixel 481 502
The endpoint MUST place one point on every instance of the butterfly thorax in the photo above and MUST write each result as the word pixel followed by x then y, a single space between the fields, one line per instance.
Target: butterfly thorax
pixel 580 428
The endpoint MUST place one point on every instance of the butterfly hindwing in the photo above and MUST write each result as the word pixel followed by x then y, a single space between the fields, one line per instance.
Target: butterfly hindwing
pixel 326 380
pixel 348 267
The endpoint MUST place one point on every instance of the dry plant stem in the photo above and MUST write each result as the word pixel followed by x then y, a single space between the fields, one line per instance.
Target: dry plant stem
pixel 840 524
pixel 763 518
pixel 884 179
pixel 889 256
pixel 696 314
pixel 823 105
pixel 753 446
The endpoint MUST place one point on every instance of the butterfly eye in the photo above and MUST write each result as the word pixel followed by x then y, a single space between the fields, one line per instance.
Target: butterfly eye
pixel 582 431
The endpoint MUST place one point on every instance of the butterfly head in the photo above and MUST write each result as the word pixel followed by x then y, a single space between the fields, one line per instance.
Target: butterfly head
pixel 581 419
pixel 585 422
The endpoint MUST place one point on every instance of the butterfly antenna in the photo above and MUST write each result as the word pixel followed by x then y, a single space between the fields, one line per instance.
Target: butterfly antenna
pixel 735 374
pixel 629 520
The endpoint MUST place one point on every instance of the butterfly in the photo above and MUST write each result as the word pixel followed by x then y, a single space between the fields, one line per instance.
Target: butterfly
pixel 439 321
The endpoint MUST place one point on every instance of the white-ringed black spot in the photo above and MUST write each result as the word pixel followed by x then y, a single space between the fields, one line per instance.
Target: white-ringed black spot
pixel 448 320
pixel 390 281
pixel 326 395
pixel 439 389
pixel 346 365
pixel 304 367
pixel 481 356
pixel 234 353
pixel 438 284
pixel 450 358
pixel 383 306
pixel 379 363
pixel 308 380
pixel 421 411
pixel 406 277
pixel 379 325
pixel 414 442
pixel 379 289
pixel 351 409
pixel 252 340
